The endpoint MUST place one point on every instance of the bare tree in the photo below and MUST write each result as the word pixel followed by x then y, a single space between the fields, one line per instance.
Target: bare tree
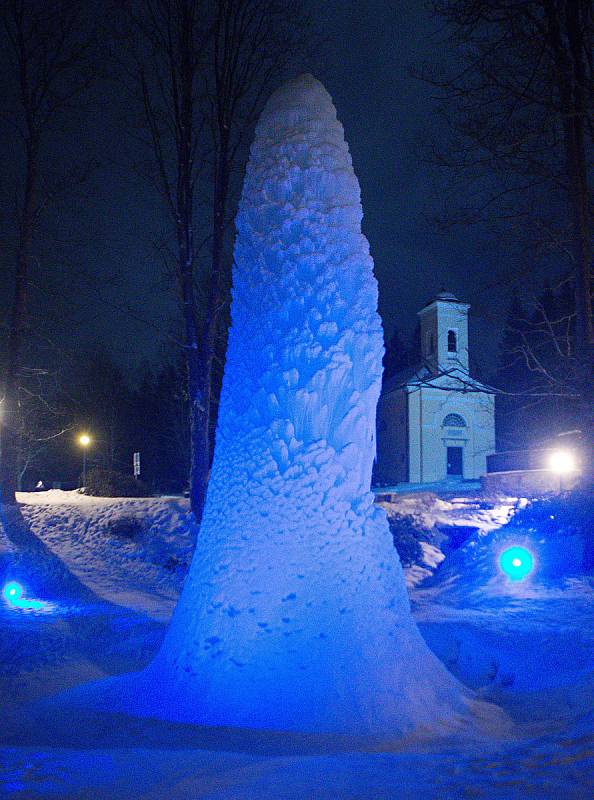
pixel 169 39
pixel 50 48
pixel 42 419
pixel 204 69
pixel 253 45
pixel 538 368
pixel 518 110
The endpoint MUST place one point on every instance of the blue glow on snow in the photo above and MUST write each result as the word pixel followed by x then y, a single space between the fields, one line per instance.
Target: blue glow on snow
pixel 24 603
pixel 516 562
pixel 13 594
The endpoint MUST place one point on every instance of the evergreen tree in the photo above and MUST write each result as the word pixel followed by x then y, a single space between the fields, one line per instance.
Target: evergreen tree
pixel 396 357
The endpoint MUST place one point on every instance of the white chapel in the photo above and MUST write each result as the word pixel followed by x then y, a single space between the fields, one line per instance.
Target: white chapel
pixel 435 422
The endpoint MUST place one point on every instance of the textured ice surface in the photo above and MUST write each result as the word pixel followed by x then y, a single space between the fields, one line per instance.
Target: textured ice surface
pixel 294 614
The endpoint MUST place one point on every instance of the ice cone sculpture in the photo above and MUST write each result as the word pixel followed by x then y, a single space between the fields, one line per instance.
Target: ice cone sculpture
pixel 294 615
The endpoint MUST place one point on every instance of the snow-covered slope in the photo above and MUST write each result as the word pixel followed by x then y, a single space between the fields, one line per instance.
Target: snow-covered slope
pixel 518 642
pixel 106 574
pixel 445 520
pixel 55 752
pixel 125 550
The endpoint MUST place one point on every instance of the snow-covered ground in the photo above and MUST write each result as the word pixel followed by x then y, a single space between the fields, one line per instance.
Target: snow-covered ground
pixel 448 512
pixel 527 646
pixel 134 553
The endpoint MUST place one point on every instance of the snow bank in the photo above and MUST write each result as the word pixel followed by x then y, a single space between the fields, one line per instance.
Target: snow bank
pixel 433 510
pixel 60 496
pixel 445 521
pixel 105 575
pixel 530 651
pixel 556 530
pixel 520 639
pixel 124 550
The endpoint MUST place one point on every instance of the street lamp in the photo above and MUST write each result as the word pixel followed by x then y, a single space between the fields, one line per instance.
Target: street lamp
pixel 84 441
pixel 562 462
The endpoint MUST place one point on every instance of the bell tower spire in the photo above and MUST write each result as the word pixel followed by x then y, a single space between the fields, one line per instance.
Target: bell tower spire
pixel 444 334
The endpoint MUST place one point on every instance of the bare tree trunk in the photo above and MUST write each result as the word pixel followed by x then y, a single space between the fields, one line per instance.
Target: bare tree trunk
pixel 239 48
pixel 50 47
pixel 199 395
pixel 572 84
pixel 172 30
pixel 253 43
pixel 9 430
pixel 202 395
pixel 198 384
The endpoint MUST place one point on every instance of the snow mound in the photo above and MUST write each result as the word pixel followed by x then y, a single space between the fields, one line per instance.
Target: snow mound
pixel 442 523
pixel 60 496
pixel 100 578
pixel 431 510
pixel 514 639
pixel 557 531
pixel 67 545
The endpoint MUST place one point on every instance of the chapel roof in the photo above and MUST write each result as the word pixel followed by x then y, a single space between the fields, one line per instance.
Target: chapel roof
pixel 443 297
pixel 422 376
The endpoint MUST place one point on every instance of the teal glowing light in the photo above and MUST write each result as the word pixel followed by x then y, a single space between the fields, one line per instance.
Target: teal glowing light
pixel 12 592
pixel 516 562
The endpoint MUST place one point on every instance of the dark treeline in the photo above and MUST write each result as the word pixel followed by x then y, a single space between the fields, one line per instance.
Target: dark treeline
pixel 401 352
pixel 149 414
pixel 179 84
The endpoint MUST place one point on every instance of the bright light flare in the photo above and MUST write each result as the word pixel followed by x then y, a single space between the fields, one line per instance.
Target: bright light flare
pixel 84 439
pixel 12 592
pixel 562 461
pixel 516 562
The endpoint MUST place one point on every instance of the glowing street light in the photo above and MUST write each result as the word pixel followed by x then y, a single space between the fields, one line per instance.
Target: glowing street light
pixel 562 462
pixel 84 441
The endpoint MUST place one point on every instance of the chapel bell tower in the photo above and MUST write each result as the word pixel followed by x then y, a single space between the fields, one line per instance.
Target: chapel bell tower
pixel 444 334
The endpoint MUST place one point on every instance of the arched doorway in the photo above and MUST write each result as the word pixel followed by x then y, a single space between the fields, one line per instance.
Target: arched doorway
pixel 456 434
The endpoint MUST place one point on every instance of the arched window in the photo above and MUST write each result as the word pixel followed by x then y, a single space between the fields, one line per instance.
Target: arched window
pixel 430 344
pixel 452 342
pixel 454 421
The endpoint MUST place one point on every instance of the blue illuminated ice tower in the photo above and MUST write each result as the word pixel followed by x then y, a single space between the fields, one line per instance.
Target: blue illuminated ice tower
pixel 294 615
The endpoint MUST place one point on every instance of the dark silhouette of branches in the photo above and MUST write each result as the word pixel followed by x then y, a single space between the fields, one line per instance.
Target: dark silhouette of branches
pixel 51 47
pixel 203 69
pixel 518 153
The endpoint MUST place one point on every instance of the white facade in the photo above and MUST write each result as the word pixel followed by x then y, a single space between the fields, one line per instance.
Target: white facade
pixel 437 423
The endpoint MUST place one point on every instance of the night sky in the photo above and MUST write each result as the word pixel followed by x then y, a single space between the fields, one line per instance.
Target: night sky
pixel 119 298
pixel 388 115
